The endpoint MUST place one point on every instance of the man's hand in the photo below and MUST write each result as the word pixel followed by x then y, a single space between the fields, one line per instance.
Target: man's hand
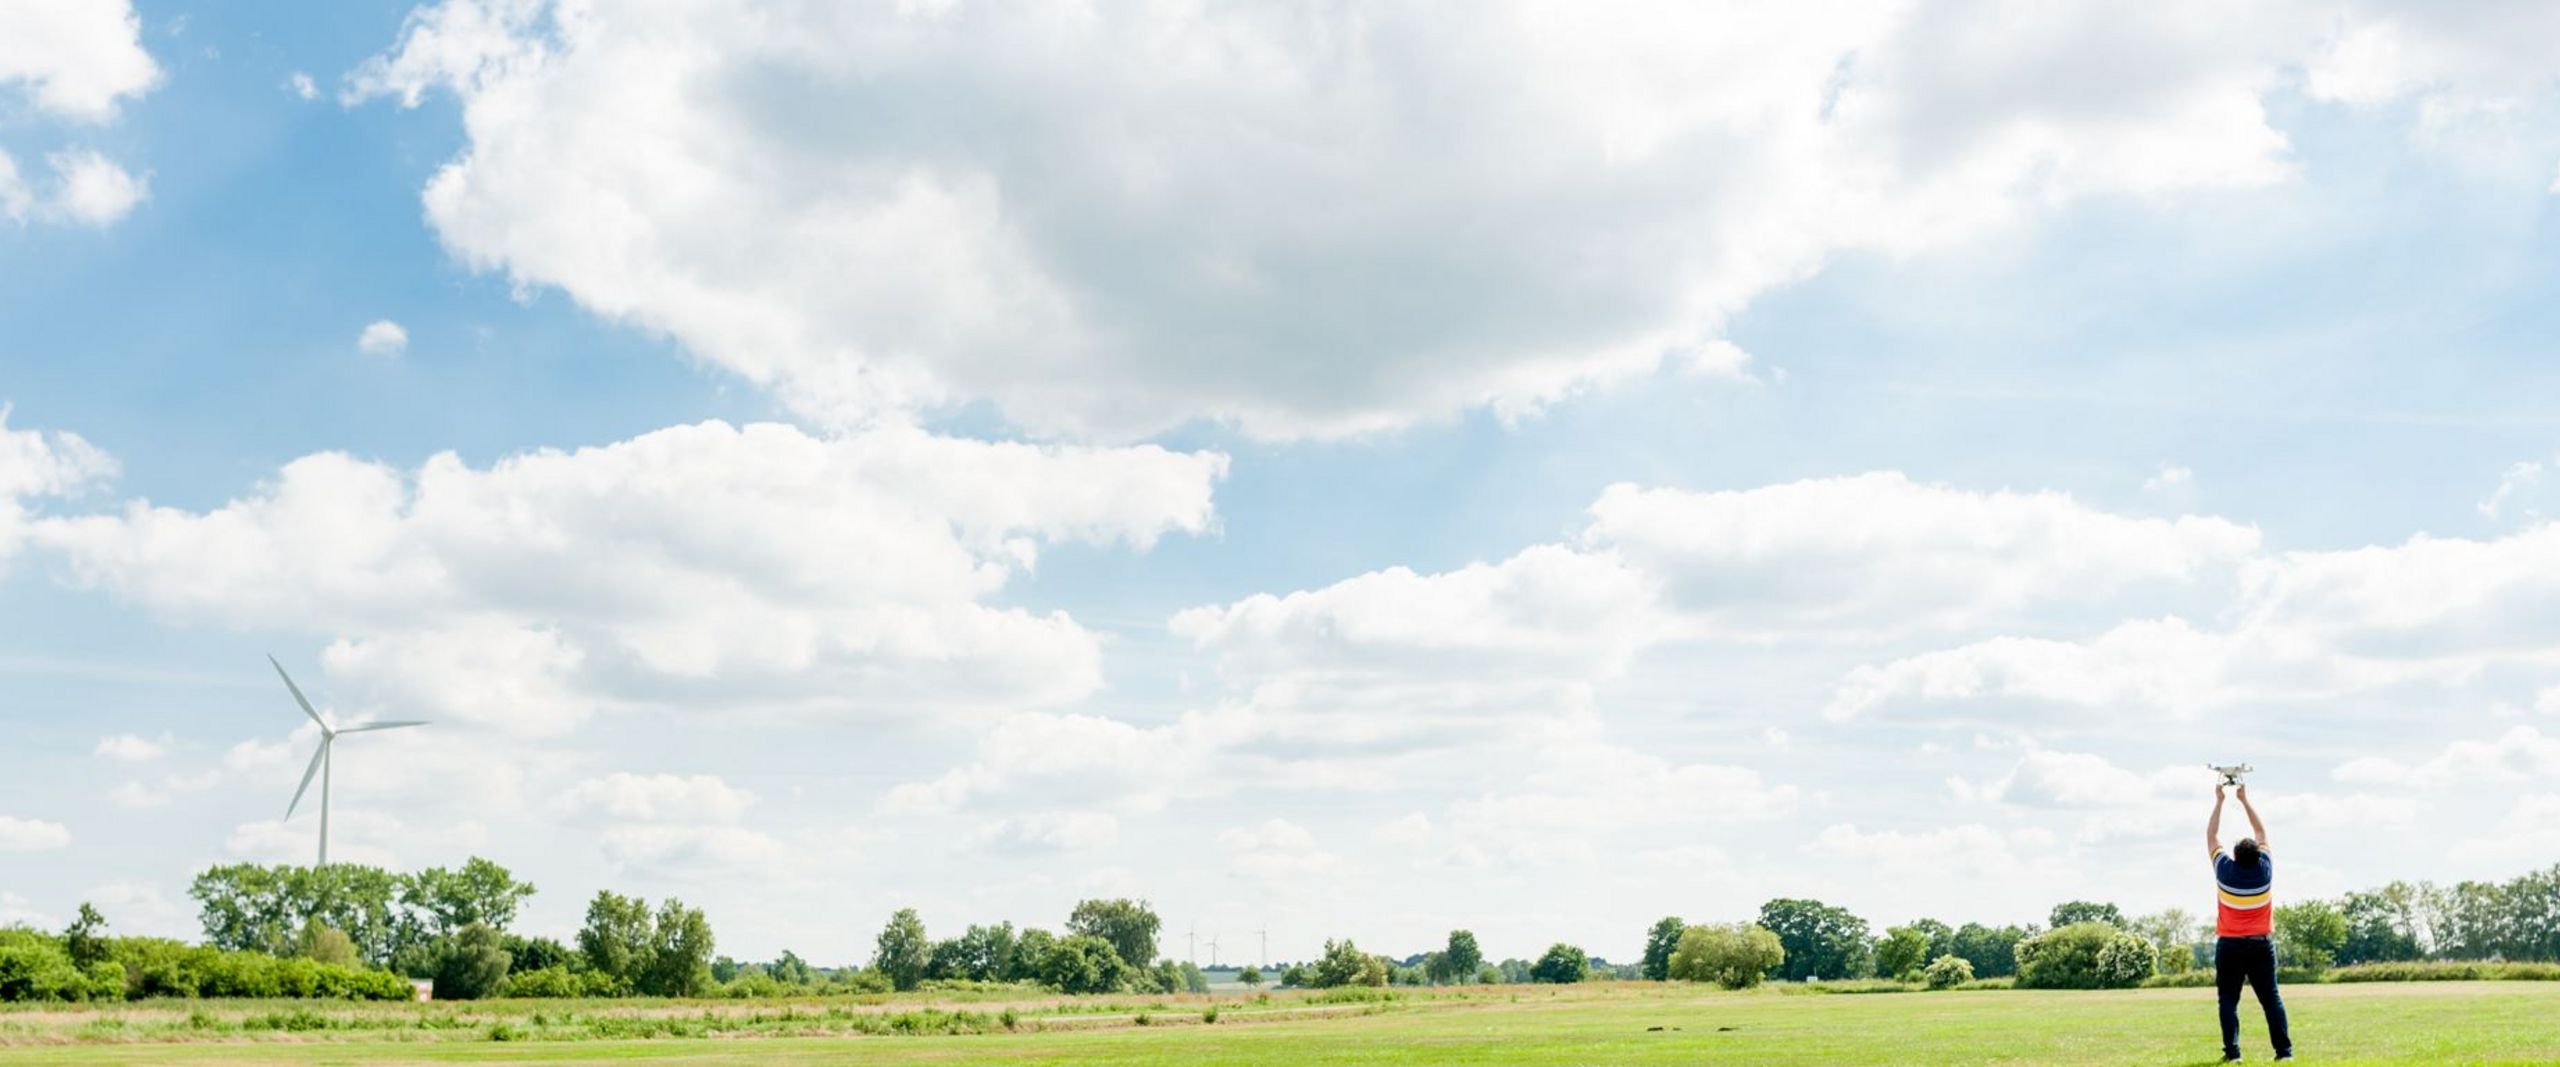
pixel 2244 792
pixel 2218 787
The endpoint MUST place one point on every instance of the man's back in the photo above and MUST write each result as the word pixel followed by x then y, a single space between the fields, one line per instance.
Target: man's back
pixel 2244 897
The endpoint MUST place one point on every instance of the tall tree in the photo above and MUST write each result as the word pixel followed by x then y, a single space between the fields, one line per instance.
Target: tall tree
pixel 2075 912
pixel 617 939
pixel 445 901
pixel 1821 941
pixel 1464 958
pixel 1942 937
pixel 474 964
pixel 1901 953
pixel 85 939
pixel 1129 925
pixel 679 953
pixel 903 953
pixel 1659 943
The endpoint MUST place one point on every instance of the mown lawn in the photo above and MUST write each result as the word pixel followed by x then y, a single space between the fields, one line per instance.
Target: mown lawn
pixel 2418 1023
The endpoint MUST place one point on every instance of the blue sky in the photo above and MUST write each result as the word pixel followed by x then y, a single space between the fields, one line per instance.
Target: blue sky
pixel 975 480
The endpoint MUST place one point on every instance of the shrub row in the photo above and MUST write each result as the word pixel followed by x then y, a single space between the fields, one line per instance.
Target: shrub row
pixel 36 967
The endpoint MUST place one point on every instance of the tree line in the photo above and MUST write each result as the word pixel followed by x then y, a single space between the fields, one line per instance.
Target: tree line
pixel 354 931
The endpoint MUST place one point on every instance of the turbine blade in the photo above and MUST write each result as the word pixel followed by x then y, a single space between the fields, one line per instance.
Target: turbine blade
pixel 378 726
pixel 307 773
pixel 298 698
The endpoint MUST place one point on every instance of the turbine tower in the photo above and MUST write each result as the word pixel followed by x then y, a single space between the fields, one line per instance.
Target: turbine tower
pixel 320 763
pixel 1213 952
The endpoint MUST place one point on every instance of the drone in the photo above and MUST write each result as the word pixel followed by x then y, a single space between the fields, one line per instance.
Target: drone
pixel 2231 774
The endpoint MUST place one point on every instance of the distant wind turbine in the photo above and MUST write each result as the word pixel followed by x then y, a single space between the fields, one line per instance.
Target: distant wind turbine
pixel 1213 951
pixel 320 762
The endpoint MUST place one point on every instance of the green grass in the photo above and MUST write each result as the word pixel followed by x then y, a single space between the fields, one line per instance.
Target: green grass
pixel 1615 1023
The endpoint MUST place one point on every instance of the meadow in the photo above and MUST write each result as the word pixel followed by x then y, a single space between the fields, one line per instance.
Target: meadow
pixel 1609 1022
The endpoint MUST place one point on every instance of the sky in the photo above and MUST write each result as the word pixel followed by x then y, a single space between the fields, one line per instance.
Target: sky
pixel 1330 471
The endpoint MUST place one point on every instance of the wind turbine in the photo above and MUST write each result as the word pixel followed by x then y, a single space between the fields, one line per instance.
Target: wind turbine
pixel 320 760
pixel 1213 952
pixel 1194 937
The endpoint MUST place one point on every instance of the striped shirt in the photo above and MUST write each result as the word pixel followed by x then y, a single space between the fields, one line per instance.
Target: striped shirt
pixel 2243 895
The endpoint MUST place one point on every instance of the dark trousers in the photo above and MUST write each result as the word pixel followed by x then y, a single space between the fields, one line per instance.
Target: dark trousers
pixel 2250 960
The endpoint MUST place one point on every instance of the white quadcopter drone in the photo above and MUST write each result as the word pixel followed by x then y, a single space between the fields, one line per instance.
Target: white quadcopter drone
pixel 2231 774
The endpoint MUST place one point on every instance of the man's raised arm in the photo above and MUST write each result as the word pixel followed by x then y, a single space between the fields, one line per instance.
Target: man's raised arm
pixel 2255 827
pixel 2213 827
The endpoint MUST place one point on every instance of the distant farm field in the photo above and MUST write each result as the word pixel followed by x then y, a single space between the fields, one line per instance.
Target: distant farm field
pixel 1633 1023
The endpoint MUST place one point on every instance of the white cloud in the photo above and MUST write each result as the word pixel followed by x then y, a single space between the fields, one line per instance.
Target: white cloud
pixel 31 835
pixel 140 909
pixel 2522 754
pixel 93 190
pixel 656 798
pixel 804 574
pixel 1118 217
pixel 1073 760
pixel 1276 850
pixel 1879 552
pixel 2169 478
pixel 383 339
pixel 1049 832
pixel 371 838
pixel 76 58
pixel 2519 478
pixel 2528 836
pixel 1973 848
pixel 16 911
pixel 130 748
pixel 693 849
pixel 302 86
pixel 35 464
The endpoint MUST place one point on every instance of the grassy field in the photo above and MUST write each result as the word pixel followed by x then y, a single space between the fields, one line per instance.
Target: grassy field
pixel 1630 1023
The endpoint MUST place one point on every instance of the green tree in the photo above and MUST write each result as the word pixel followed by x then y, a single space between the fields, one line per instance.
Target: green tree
pixel 2172 934
pixel 1561 965
pixel 791 970
pixel 2083 911
pixel 1659 943
pixel 903 952
pixel 257 908
pixel 1129 925
pixel 540 953
pixel 617 939
pixel 320 942
pixel 1083 963
pixel 2310 934
pixel 1251 975
pixel 2382 925
pixel 1992 950
pixel 1463 956
pixel 474 965
pixel 1900 954
pixel 1030 955
pixel 444 901
pixel 1194 980
pixel 85 939
pixel 1822 941
pixel 1942 938
pixel 1734 955
pixel 1948 972
pixel 1343 964
pixel 679 963
pixel 2090 955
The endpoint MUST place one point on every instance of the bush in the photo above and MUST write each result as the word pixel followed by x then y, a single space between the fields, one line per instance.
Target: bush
pixel 545 982
pixel 474 965
pixel 1084 964
pixel 2090 955
pixel 2447 971
pixel 1343 964
pixel 1735 956
pixel 34 967
pixel 1562 964
pixel 1947 972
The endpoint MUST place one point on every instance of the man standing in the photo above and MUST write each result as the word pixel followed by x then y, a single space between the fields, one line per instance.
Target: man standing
pixel 2244 919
